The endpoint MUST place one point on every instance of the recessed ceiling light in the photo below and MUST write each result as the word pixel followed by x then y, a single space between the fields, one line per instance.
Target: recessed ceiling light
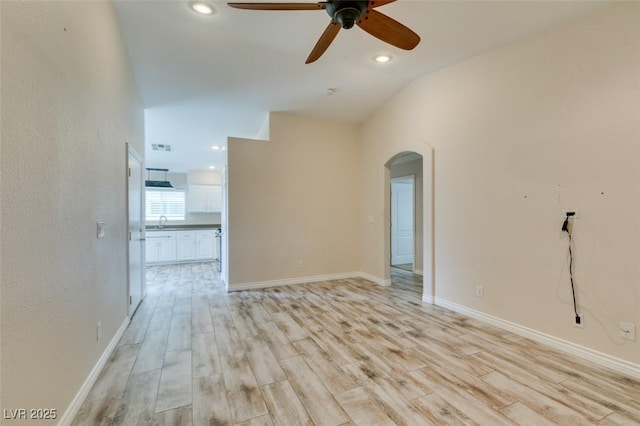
pixel 381 59
pixel 201 7
pixel 216 147
pixel 212 167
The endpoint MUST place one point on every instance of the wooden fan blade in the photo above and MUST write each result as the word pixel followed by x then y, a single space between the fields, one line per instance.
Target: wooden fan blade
pixel 388 30
pixel 377 3
pixel 279 6
pixel 323 43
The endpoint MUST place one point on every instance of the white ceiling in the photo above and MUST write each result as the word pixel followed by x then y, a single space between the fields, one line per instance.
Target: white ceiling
pixel 204 78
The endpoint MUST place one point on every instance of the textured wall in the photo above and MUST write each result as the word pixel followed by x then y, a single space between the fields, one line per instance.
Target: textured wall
pixel 69 105
pixel 520 134
pixel 293 198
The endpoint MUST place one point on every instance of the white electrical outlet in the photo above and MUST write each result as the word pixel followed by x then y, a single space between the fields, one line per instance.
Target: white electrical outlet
pixel 98 330
pixel 579 324
pixel 300 264
pixel 479 291
pixel 628 331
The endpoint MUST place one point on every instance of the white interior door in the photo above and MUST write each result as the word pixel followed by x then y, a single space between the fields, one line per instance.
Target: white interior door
pixel 223 259
pixel 402 220
pixel 135 194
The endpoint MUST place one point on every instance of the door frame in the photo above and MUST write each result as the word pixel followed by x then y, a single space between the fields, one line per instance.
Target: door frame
pixel 223 255
pixel 131 152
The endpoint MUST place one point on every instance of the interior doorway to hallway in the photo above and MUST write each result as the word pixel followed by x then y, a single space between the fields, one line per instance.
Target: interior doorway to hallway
pixel 406 212
pixel 417 159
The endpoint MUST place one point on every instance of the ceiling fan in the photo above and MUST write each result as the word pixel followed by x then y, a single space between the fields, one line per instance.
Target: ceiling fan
pixel 346 14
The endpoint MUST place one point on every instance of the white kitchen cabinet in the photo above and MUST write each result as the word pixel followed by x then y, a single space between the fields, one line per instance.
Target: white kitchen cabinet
pixel 160 246
pixel 205 245
pixel 205 198
pixel 185 245
pixel 180 246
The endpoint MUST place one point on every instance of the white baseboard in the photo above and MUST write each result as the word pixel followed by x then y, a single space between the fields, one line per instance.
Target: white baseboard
pixel 370 277
pixel 82 394
pixel 427 298
pixel 291 281
pixel 616 364
pixel 305 280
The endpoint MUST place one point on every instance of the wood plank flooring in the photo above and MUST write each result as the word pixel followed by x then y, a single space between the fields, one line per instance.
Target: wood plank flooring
pixel 345 352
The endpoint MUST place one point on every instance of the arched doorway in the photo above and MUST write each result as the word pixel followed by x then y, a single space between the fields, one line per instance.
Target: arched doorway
pixel 406 213
pixel 416 167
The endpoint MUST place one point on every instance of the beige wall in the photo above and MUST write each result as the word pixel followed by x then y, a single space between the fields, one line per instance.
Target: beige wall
pixel 69 105
pixel 519 135
pixel 293 198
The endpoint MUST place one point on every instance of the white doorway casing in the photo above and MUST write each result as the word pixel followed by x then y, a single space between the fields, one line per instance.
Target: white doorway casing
pixel 402 220
pixel 135 229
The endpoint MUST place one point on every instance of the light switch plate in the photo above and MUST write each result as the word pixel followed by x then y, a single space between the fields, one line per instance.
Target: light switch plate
pixel 101 230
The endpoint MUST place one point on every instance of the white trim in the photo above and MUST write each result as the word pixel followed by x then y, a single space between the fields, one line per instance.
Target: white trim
pixel 291 281
pixel 82 394
pixel 427 298
pixel 617 364
pixel 379 281
pixel 306 280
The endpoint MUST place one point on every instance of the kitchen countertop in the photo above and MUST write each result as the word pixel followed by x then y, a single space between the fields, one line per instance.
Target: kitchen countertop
pixel 180 227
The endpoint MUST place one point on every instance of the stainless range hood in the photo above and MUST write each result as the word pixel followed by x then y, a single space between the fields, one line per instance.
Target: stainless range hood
pixel 165 184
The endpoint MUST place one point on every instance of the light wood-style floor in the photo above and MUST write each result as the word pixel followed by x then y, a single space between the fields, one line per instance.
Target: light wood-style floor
pixel 336 353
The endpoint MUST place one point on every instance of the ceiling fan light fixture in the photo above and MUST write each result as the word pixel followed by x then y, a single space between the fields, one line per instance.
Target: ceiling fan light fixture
pixel 347 17
pixel 201 8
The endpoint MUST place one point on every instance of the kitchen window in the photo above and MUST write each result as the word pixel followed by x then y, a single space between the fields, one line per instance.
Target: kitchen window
pixel 162 202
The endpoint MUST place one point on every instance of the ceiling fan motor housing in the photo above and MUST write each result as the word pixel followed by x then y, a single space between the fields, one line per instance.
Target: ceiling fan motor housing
pixel 346 13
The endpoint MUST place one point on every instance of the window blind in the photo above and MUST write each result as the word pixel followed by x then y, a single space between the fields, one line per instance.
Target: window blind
pixel 164 203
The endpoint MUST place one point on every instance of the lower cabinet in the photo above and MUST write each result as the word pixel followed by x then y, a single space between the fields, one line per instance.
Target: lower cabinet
pixel 186 245
pixel 180 246
pixel 205 247
pixel 160 246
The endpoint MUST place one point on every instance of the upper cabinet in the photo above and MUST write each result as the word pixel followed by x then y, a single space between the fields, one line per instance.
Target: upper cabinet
pixel 205 198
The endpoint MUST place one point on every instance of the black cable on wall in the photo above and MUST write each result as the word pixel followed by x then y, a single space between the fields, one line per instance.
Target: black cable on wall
pixel 568 228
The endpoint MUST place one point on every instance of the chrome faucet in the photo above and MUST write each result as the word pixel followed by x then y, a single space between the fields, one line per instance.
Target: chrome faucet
pixel 160 221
